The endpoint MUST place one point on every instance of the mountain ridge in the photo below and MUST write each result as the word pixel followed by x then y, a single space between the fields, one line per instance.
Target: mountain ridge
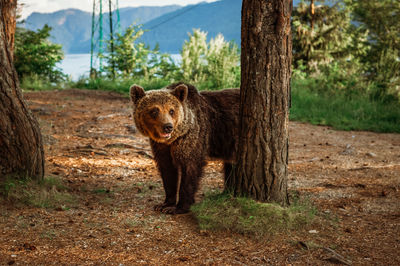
pixel 168 26
pixel 72 27
pixel 222 17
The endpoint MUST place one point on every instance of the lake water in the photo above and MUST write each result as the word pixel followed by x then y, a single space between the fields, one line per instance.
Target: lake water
pixel 77 65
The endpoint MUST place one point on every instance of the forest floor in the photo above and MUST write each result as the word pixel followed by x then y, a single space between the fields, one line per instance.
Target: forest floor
pixel 353 179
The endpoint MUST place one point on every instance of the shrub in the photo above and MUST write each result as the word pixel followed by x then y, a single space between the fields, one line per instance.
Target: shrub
pixel 133 59
pixel 35 55
pixel 214 65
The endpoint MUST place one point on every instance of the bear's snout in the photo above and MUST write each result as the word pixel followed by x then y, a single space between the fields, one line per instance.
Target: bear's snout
pixel 167 128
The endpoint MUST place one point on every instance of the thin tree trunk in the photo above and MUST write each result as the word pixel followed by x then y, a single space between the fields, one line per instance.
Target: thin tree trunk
pixel 21 148
pixel 312 10
pixel 261 167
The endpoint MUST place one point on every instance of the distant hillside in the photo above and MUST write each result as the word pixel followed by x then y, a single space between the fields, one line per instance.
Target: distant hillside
pixel 72 27
pixel 170 30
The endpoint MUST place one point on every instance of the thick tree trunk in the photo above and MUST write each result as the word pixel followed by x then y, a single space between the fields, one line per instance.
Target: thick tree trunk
pixel 261 167
pixel 21 148
pixel 8 9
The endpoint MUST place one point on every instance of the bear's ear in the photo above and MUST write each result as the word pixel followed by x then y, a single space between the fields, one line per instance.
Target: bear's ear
pixel 136 93
pixel 180 92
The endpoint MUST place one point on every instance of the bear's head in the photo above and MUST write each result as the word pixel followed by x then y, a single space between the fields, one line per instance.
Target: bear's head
pixel 160 114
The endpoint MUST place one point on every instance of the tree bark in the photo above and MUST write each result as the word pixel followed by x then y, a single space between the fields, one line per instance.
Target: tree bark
pixel 21 148
pixel 260 170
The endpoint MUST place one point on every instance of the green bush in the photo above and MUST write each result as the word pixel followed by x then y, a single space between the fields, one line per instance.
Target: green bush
pixel 131 58
pixel 321 38
pixel 194 50
pixel 36 56
pixel 210 66
pixel 364 33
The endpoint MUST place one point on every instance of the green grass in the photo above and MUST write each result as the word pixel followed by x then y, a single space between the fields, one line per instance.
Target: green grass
pixel 36 83
pixel 47 193
pixel 224 212
pixel 342 112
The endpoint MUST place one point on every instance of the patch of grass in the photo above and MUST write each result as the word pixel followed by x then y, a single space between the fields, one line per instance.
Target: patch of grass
pixel 36 83
pixel 343 112
pixel 102 191
pixel 247 216
pixel 47 193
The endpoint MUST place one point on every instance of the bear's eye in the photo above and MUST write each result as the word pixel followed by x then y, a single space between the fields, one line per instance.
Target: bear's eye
pixel 154 113
pixel 171 112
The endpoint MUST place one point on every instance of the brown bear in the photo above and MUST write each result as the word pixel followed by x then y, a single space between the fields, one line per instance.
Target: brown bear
pixel 185 127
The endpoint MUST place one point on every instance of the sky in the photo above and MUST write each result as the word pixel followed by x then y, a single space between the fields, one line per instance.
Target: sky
pixel 48 6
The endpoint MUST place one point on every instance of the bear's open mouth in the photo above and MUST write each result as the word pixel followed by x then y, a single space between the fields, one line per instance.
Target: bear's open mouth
pixel 165 135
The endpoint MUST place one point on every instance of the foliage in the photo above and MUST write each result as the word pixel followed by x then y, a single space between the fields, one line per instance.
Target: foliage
pixel 223 67
pixel 194 57
pixel 212 65
pixel 338 78
pixel 135 59
pixel 340 99
pixel 35 55
pixel 246 216
pixel 321 37
pixel 215 65
pixel 352 36
pixel 380 20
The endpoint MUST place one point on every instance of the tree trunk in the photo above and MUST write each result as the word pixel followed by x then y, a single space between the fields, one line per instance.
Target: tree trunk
pixel 260 170
pixel 312 11
pixel 21 148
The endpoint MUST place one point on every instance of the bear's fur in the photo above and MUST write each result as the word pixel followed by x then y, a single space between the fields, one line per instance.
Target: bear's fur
pixel 185 127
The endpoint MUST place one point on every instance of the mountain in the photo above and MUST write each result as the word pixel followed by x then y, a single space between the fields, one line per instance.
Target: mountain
pixel 170 30
pixel 72 27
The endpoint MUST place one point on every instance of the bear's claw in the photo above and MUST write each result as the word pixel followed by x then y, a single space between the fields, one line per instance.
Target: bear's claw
pixel 161 207
pixel 168 209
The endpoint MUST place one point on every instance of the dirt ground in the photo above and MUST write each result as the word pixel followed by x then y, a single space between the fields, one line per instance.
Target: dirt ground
pixel 353 178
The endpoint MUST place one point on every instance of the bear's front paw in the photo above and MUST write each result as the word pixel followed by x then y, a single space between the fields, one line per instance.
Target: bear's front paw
pixel 174 210
pixel 161 207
